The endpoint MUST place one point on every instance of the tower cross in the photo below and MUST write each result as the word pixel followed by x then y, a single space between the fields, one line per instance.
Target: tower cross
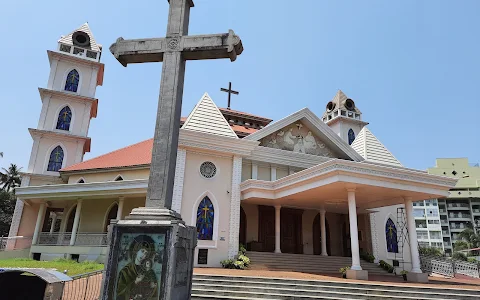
pixel 230 92
pixel 173 50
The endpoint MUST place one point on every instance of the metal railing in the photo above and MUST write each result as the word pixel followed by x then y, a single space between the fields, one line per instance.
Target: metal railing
pixel 15 242
pixel 63 239
pixel 84 286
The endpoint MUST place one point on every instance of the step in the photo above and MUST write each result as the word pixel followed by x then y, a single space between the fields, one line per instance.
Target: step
pixel 336 289
pixel 238 288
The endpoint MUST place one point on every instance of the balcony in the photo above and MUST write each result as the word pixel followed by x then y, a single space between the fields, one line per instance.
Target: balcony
pixel 447 245
pixel 476 211
pixel 442 211
pixel 63 239
pixel 458 206
pixel 445 233
pixel 460 216
pixel 457 227
pixel 444 222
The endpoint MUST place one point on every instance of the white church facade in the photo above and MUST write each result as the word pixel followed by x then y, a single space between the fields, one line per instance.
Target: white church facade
pixel 303 184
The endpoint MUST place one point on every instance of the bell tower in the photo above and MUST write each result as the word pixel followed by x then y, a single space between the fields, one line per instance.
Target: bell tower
pixel 343 117
pixel 68 103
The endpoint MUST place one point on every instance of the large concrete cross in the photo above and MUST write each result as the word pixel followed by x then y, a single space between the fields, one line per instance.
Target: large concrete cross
pixel 173 50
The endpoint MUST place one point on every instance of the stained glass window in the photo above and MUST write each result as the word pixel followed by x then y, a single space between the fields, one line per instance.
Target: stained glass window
pixel 56 159
pixel 205 217
pixel 64 118
pixel 391 235
pixel 73 78
pixel 351 136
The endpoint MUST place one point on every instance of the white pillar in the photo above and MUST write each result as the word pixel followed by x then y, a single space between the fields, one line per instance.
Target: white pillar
pixel 78 210
pixel 273 173
pixel 38 225
pixel 412 234
pixel 120 208
pixel 352 214
pixel 54 220
pixel 277 229
pixel 323 232
pixel 254 171
pixel 234 231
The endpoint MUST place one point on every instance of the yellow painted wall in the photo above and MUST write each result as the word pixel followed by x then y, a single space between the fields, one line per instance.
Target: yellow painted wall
pixel 251 211
pixel 111 175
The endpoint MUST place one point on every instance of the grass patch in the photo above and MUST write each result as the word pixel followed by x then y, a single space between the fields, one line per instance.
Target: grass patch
pixel 72 267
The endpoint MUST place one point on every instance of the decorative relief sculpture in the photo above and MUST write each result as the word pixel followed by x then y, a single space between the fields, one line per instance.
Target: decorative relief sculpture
pixel 297 138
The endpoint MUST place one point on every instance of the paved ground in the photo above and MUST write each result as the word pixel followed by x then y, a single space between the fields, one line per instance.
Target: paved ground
pixel 462 283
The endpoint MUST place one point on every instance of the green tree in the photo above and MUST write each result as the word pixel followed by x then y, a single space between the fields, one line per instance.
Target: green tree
pixel 461 245
pixel 459 256
pixel 7 207
pixel 10 178
pixel 430 251
pixel 470 237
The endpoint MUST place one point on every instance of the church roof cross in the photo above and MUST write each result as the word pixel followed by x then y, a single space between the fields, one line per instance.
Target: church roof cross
pixel 173 50
pixel 230 92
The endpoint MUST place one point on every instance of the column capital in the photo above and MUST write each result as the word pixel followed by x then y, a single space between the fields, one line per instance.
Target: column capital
pixel 278 206
pixel 121 198
pixel 79 200
pixel 322 211
pixel 407 199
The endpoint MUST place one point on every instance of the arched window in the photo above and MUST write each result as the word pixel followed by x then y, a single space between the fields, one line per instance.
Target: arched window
pixel 205 217
pixel 112 215
pixel 351 136
pixel 64 118
pixel 391 236
pixel 71 83
pixel 56 159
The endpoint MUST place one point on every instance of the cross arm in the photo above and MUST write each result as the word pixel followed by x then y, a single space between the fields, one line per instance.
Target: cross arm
pixel 196 47
pixel 138 50
pixel 212 46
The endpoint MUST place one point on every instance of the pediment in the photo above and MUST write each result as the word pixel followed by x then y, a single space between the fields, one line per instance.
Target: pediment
pixel 327 142
pixel 298 137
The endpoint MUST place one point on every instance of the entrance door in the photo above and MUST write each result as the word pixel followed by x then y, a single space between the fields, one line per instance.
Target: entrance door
pixel 266 227
pixel 317 239
pixel 291 230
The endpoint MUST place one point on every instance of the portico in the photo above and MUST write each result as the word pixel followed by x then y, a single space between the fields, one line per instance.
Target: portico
pixel 344 188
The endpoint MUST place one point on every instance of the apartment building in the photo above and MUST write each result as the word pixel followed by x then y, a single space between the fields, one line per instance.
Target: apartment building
pixel 461 209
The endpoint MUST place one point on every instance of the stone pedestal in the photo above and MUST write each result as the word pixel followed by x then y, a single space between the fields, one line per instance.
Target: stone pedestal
pixel 357 274
pixel 417 277
pixel 150 256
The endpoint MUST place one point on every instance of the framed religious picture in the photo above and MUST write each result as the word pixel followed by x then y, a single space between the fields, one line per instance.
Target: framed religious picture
pixel 139 263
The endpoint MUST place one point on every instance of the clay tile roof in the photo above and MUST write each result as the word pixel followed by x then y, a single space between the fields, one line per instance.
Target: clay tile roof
pixel 231 111
pixel 133 155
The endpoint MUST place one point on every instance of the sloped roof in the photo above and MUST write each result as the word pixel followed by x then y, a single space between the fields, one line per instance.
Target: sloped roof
pixel 207 118
pixel 85 28
pixel 339 101
pixel 133 155
pixel 370 148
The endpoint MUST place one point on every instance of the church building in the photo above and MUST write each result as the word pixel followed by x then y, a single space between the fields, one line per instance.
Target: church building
pixel 312 183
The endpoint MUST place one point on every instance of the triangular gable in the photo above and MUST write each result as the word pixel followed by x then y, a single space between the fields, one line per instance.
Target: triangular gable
pixel 319 129
pixel 85 28
pixel 207 118
pixel 298 137
pixel 371 149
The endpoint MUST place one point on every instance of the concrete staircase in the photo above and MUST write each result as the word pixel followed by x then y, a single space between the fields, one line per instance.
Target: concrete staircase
pixel 306 263
pixel 209 287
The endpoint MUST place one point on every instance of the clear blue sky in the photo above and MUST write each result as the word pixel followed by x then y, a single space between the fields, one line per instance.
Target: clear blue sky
pixel 412 67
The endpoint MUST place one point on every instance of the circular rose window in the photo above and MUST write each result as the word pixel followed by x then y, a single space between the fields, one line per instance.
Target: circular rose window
pixel 208 169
